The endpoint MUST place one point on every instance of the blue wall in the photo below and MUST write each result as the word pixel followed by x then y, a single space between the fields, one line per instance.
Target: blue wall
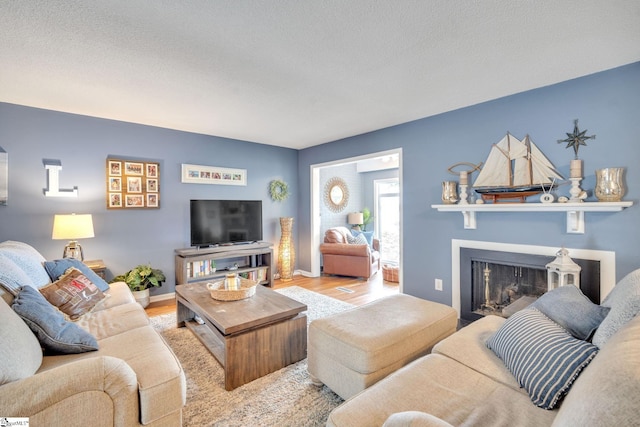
pixel 607 105
pixel 125 238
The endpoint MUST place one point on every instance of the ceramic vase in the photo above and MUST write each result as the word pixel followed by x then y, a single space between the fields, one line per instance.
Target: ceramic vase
pixel 609 184
pixel 286 251
pixel 142 297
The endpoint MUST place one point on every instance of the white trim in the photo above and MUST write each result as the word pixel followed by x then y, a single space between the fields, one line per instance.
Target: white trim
pixel 575 211
pixel 607 262
pixel 306 273
pixel 315 220
pixel 162 297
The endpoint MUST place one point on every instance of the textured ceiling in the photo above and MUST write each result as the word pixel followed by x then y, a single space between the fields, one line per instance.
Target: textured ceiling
pixel 297 73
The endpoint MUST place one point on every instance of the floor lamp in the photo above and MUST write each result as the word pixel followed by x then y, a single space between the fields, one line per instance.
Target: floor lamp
pixel 286 251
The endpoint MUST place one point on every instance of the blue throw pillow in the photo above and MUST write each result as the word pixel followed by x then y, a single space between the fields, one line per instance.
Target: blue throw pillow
pixel 49 325
pixel 12 277
pixel 367 234
pixel 58 267
pixel 360 240
pixel 544 358
pixel 28 259
pixel 571 309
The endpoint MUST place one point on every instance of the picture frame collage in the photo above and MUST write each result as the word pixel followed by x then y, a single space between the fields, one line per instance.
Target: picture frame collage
pixel 133 184
pixel 199 174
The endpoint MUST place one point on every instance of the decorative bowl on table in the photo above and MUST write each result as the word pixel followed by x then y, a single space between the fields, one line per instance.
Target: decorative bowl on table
pixel 245 288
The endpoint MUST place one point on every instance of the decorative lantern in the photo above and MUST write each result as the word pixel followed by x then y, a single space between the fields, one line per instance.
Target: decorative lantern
pixel 563 271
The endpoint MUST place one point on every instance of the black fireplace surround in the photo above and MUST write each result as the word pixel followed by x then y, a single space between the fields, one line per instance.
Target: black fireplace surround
pixel 529 280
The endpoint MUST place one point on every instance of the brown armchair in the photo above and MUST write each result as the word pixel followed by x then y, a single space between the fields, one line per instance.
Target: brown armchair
pixel 345 259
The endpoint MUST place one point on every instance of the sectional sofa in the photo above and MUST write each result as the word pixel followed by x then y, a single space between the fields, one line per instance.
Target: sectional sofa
pixel 106 367
pixel 561 362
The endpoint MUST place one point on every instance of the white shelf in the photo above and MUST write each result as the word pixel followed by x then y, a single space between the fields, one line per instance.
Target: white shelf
pixel 575 211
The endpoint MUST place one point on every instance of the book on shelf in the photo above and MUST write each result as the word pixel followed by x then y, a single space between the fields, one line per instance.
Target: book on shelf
pixel 258 275
pixel 201 268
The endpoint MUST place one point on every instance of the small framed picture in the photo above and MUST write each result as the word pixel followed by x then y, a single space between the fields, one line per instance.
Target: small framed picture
pixel 152 200
pixel 133 168
pixel 115 167
pixel 152 170
pixel 134 201
pixel 134 184
pixel 115 183
pixel 152 185
pixel 115 200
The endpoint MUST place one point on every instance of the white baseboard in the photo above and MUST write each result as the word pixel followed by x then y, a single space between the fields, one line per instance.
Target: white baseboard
pixel 304 273
pixel 163 297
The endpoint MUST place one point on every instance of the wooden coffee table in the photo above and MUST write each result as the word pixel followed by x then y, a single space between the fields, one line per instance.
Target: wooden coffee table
pixel 250 338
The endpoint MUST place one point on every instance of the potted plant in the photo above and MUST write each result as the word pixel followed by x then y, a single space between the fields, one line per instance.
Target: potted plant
pixel 366 218
pixel 140 279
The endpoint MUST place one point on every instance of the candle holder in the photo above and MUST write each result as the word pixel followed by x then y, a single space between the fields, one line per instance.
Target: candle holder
pixel 449 195
pixel 463 195
pixel 609 184
pixel 577 194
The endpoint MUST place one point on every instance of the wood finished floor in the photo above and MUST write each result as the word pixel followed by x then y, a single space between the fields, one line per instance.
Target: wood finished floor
pixel 364 291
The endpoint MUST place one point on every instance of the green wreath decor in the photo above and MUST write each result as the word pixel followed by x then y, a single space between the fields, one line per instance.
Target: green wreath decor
pixel 279 190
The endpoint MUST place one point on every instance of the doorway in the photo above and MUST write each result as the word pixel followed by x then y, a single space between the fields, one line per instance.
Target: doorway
pixel 316 200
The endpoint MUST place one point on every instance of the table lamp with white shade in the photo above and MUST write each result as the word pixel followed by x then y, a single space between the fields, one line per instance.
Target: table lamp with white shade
pixel 355 219
pixel 72 227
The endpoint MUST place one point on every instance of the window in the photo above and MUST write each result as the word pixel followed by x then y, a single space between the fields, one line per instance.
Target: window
pixel 387 218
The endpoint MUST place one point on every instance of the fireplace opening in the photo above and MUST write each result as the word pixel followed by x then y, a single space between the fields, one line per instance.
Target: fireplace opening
pixel 501 283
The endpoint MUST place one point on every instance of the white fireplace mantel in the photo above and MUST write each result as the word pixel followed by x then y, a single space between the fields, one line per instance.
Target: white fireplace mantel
pixel 575 211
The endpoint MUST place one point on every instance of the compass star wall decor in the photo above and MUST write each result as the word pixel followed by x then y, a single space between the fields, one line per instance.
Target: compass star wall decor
pixel 577 138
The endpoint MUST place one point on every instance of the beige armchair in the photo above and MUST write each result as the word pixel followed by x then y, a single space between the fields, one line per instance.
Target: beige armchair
pixel 345 259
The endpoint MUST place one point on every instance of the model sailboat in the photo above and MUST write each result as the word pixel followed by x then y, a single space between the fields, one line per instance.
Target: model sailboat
pixel 515 169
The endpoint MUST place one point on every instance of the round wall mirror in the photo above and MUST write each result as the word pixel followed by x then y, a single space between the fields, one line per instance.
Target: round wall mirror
pixel 336 194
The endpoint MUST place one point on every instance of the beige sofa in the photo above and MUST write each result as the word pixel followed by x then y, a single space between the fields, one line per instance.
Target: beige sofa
pixel 133 379
pixel 463 383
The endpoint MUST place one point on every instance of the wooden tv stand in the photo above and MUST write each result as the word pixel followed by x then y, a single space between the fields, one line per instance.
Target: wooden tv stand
pixel 254 260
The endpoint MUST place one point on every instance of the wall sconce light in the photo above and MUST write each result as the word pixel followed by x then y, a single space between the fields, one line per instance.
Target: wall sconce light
pixel 72 227
pixel 355 219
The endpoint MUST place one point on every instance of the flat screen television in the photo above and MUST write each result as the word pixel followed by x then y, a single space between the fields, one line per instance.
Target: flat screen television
pixel 219 222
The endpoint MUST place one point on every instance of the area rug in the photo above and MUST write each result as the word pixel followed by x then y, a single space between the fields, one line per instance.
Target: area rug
pixel 283 398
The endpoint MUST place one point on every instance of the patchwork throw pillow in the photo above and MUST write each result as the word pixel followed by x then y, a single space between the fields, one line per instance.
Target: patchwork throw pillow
pixel 58 267
pixel 73 293
pixel 624 301
pixel 543 356
pixel 571 309
pixel 49 326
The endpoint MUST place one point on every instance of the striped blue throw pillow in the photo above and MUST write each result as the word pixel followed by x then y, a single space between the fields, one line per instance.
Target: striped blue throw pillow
pixel 543 356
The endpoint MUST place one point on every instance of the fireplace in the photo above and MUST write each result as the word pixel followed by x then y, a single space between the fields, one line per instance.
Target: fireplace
pixel 501 283
pixel 500 279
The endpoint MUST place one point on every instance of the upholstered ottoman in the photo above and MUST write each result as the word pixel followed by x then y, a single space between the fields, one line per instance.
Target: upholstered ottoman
pixel 352 350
